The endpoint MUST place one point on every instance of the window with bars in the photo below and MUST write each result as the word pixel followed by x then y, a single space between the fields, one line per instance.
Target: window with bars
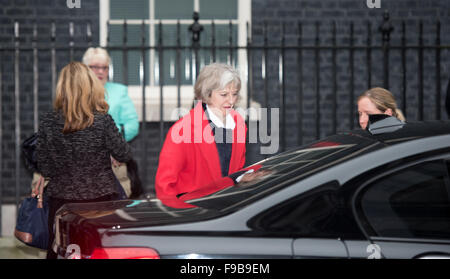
pixel 162 28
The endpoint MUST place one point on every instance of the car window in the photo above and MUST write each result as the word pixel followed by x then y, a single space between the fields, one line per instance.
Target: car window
pixel 283 170
pixel 411 203
pixel 321 212
pixel 280 170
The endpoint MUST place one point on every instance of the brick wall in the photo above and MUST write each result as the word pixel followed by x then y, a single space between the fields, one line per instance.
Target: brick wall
pixel 26 13
pixel 343 12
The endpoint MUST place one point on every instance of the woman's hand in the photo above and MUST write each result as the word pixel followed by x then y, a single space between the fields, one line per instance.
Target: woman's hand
pixel 249 177
pixel 115 163
pixel 38 190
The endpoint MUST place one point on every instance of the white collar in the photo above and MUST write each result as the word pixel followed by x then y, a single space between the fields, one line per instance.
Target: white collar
pixel 230 124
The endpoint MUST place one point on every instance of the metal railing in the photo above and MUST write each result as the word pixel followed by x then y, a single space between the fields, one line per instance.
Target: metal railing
pixel 258 56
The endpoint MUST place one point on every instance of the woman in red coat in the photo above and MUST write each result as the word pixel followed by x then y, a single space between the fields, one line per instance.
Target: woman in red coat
pixel 207 145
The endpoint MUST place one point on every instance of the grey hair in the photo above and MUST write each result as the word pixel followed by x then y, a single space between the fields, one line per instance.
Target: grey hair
pixel 95 52
pixel 213 77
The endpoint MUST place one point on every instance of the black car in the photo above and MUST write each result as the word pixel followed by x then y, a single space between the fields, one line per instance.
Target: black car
pixel 377 193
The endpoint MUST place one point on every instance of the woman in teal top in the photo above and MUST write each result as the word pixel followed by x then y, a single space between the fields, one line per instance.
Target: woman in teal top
pixel 121 108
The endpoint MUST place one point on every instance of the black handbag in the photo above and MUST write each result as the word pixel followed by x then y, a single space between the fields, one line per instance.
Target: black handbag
pixel 135 181
pixel 29 152
pixel 32 220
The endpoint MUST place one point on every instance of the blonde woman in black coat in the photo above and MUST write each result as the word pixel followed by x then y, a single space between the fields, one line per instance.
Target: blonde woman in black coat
pixel 75 144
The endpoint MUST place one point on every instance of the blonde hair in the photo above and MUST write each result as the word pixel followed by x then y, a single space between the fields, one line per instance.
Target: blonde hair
pixel 96 52
pixel 383 100
pixel 213 77
pixel 79 94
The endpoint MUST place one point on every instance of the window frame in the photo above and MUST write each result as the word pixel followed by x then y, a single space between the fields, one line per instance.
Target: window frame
pixel 152 90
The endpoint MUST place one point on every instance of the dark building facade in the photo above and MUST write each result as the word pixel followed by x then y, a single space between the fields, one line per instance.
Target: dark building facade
pixel 324 17
pixel 30 13
pixel 341 55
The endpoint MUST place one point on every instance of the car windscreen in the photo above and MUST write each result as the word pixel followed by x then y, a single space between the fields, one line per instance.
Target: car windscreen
pixel 280 171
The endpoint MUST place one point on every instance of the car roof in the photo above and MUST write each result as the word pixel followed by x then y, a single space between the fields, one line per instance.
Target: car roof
pixel 409 131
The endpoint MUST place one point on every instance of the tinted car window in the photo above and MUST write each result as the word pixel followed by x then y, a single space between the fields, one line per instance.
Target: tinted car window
pixel 321 212
pixel 413 202
pixel 287 168
pixel 280 170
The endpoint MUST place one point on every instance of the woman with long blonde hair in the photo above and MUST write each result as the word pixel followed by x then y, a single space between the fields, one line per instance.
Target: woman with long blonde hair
pixel 75 142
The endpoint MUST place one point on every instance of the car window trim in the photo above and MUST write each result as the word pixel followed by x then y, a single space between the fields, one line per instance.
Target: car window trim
pixel 411 240
pixel 447 180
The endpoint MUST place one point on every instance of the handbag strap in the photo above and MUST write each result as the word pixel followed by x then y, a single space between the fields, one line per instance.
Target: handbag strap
pixel 35 186
pixel 40 189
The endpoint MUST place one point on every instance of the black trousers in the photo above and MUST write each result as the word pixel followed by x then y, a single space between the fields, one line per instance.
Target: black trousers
pixel 55 204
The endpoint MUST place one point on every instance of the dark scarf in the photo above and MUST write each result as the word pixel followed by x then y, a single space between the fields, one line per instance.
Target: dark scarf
pixel 224 143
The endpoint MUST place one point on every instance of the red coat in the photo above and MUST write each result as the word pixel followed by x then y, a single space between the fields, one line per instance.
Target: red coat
pixel 189 159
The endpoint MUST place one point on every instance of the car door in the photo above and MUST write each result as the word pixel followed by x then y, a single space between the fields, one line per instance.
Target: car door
pixel 405 213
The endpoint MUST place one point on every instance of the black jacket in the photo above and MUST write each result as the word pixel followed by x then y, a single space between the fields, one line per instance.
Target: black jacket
pixel 78 164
